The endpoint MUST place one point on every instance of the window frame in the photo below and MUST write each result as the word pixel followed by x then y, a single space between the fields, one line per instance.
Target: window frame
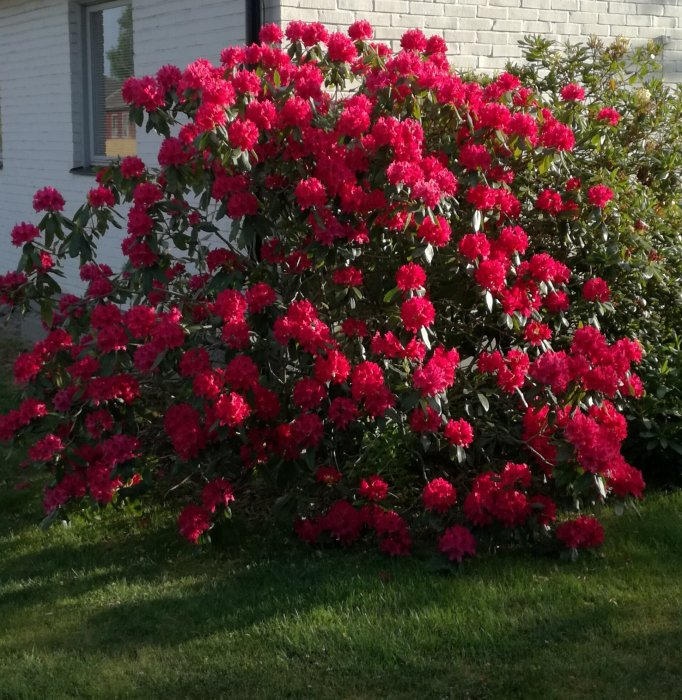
pixel 92 159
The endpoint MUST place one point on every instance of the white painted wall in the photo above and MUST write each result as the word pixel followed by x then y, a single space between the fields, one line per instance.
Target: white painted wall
pixel 37 41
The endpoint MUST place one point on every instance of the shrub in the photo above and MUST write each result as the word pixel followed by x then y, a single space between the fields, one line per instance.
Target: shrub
pixel 628 126
pixel 378 343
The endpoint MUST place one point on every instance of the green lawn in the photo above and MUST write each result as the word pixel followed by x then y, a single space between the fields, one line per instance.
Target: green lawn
pixel 118 606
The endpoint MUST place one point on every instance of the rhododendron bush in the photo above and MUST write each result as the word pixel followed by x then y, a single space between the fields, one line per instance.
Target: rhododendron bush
pixel 331 308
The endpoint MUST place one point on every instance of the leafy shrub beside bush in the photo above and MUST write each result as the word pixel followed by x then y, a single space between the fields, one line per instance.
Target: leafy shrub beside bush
pixel 636 246
pixel 381 343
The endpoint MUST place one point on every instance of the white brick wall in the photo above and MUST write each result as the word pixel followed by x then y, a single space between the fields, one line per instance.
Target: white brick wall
pixel 36 44
pixel 484 33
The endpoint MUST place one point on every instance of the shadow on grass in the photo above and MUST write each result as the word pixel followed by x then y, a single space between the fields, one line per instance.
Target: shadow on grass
pixel 275 619
pixel 162 595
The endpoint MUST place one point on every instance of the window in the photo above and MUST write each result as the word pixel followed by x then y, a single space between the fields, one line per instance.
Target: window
pixel 109 61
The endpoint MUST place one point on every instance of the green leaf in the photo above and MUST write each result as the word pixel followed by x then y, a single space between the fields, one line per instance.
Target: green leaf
pixel 489 301
pixel 76 243
pixel 46 311
pixel 158 359
pixel 390 294
pixel 425 336
pixel 483 399
pixel 410 400
pixel 601 486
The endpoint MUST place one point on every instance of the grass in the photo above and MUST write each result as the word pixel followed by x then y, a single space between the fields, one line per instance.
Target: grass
pixel 116 606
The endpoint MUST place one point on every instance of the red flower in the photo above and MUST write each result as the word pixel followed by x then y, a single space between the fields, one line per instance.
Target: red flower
pixel 243 133
pixel 307 430
pixel 168 77
pixel 259 297
pixel 193 522
pixel 491 275
pixel 373 488
pixel 308 393
pixel 536 332
pixel 438 374
pixel 343 522
pixel 132 167
pixel 296 112
pixel 494 116
pixel 624 480
pixel 342 412
pixel 410 276
pixel 348 277
pixel 353 327
pixel 549 201
pixel 456 543
pixel 459 432
pixel 413 40
pixel 417 313
pixel 26 367
pixel 334 367
pixel 143 92
pixel 310 193
pixel 474 156
pixel 436 45
pixel 424 420
pixel 391 529
pixel 230 305
pixel 99 422
pixel 572 93
pixel 340 48
pixel 48 199
pixel 241 373
pixel 474 245
pixel 596 289
pixel 24 233
pixel 439 495
pixel 231 410
pixel 327 475
pixel 436 233
pixel 217 493
pixel 101 197
pixel 270 34
pixel 554 134
pixel 523 125
pixel 360 30
pixel 582 533
pixel 555 302
pixel 173 153
pixel 599 195
pixel 185 430
pixel 609 115
pixel 45 449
